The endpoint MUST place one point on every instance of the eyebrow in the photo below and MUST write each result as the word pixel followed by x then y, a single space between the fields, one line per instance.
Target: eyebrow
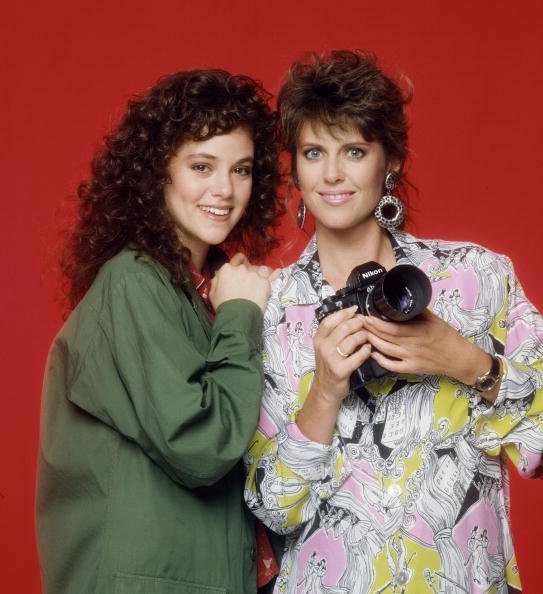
pixel 345 144
pixel 214 157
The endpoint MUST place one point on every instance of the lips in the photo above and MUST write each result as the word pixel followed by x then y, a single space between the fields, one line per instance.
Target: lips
pixel 336 198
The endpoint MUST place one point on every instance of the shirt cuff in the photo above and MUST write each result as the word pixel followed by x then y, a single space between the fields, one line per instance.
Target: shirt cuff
pixel 311 460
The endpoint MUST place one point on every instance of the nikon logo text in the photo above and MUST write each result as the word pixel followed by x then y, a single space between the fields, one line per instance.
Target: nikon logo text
pixel 372 273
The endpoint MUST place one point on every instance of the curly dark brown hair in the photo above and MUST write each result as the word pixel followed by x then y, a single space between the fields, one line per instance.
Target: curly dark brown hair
pixel 340 89
pixel 122 204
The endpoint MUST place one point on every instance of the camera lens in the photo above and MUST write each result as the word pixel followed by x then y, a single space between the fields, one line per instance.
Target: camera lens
pixel 404 301
pixel 400 294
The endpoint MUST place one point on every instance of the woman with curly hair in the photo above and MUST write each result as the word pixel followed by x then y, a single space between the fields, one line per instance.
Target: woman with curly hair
pixel 153 385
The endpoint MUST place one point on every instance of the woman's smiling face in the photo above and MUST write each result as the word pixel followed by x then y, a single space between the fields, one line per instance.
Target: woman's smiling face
pixel 210 186
pixel 340 175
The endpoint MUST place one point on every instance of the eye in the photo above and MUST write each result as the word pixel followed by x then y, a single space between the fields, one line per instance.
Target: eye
pixel 312 154
pixel 243 170
pixel 200 167
pixel 355 152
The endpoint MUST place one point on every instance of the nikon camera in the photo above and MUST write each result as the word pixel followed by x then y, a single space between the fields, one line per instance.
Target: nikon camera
pixel 395 296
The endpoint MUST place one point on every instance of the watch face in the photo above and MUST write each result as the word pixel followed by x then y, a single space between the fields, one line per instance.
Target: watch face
pixel 486 384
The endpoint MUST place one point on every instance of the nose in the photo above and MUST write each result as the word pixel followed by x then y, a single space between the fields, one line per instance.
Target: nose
pixel 222 186
pixel 333 171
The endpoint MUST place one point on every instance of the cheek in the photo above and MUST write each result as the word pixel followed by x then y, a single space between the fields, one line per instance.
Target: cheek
pixel 244 193
pixel 168 197
pixel 181 192
pixel 306 178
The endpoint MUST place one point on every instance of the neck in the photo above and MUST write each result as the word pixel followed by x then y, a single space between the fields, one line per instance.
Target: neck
pixel 198 257
pixel 340 251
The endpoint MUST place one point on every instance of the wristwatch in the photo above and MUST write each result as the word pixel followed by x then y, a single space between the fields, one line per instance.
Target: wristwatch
pixel 487 381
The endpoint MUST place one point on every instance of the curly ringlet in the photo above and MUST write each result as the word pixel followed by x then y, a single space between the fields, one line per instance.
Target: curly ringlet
pixel 343 89
pixel 122 204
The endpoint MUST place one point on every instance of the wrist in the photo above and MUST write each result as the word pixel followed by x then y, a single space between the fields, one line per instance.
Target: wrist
pixel 480 370
pixel 318 415
pixel 324 399
pixel 471 362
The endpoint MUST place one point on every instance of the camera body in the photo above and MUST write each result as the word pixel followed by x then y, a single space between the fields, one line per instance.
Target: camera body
pixel 395 296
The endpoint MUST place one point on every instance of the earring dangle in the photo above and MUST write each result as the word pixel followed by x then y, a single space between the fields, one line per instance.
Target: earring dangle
pixel 300 214
pixel 390 212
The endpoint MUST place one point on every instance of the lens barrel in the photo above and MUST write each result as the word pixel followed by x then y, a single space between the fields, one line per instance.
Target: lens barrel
pixel 400 294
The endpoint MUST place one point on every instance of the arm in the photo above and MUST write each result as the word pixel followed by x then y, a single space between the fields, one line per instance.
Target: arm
pixel 515 422
pixel 509 415
pixel 296 459
pixel 150 373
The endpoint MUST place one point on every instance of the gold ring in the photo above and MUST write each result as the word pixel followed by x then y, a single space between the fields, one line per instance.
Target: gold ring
pixel 341 353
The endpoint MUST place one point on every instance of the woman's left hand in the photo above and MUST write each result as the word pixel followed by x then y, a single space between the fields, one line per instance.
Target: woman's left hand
pixel 240 259
pixel 426 345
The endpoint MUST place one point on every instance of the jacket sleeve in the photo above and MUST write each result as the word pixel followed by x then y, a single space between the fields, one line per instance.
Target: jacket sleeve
pixel 513 425
pixel 192 411
pixel 288 475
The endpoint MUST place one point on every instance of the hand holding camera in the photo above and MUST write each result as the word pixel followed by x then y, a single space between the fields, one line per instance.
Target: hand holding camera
pixel 398 295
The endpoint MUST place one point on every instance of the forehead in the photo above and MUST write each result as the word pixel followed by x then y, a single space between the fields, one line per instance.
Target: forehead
pixel 318 132
pixel 233 143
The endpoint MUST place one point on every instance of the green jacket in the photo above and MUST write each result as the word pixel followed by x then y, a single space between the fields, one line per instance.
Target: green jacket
pixel 147 409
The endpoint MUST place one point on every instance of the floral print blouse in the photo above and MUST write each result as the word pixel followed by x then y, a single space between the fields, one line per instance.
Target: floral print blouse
pixel 411 496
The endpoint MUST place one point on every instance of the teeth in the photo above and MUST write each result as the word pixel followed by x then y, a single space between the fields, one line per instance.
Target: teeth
pixel 215 211
pixel 336 196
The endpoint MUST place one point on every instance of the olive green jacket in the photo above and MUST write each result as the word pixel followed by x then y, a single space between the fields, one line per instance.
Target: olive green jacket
pixel 148 407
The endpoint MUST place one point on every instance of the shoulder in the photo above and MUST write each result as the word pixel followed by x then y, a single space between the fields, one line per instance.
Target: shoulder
pixel 295 281
pixel 125 275
pixel 470 254
pixel 129 263
pixel 126 285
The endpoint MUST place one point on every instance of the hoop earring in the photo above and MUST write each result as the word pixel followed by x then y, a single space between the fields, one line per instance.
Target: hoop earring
pixel 301 214
pixel 390 212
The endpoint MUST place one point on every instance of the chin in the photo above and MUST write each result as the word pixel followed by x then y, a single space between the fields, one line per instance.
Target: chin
pixel 216 239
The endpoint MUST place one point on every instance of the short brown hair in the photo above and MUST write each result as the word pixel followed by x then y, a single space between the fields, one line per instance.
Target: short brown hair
pixel 344 88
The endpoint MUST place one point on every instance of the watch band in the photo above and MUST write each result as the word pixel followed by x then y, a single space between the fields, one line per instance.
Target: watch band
pixel 487 381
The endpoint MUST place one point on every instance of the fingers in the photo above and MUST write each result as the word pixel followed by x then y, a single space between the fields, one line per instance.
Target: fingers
pixel 238 259
pixel 358 356
pixel 264 271
pixel 333 321
pixel 344 347
pixel 348 345
pixel 240 282
pixel 392 365
pixel 389 349
pixel 389 329
pixel 267 272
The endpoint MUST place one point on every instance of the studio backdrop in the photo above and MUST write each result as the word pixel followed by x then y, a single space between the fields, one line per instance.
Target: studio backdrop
pixel 69 67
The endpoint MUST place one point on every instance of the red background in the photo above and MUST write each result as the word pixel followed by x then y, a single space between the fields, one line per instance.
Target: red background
pixel 67 71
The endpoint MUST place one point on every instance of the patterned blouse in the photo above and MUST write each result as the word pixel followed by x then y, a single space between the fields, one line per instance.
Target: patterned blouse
pixel 411 496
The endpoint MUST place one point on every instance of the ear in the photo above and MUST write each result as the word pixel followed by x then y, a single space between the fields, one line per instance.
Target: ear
pixel 394 165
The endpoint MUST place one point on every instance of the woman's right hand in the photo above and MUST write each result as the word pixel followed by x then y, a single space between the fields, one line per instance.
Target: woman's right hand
pixel 341 346
pixel 241 280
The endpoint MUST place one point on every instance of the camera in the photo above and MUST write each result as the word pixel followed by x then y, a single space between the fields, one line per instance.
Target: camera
pixel 395 296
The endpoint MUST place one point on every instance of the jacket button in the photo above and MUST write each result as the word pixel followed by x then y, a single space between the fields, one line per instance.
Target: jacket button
pixel 253 554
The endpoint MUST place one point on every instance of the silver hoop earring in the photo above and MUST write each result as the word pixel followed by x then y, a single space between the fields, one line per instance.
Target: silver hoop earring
pixel 300 214
pixel 390 212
